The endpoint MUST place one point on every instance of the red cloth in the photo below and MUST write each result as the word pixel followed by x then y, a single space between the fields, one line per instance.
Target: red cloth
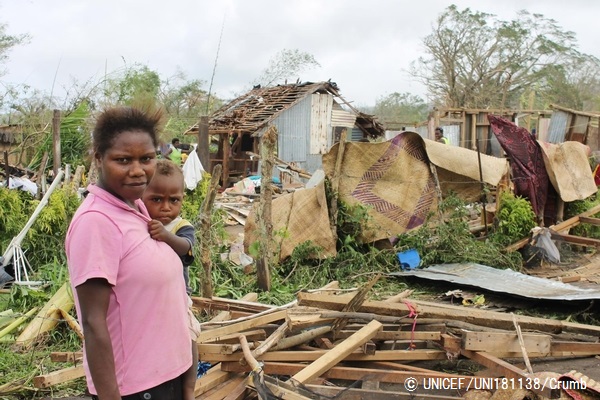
pixel 526 161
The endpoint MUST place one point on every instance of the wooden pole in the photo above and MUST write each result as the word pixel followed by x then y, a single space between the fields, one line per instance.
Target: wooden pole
pixel 6 169
pixel 265 224
pixel 41 175
pixel 56 141
pixel 203 227
pixel 226 159
pixel 335 184
pixel 203 149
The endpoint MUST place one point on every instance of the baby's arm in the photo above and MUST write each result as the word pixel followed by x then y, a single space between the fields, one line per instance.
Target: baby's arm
pixel 157 230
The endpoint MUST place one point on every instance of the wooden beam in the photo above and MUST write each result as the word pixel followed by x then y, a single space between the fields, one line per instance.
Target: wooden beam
pixel 574 221
pixel 312 355
pixel 351 373
pixel 213 334
pixel 492 342
pixel 509 371
pixel 218 303
pixel 582 241
pixel 338 353
pixel 60 376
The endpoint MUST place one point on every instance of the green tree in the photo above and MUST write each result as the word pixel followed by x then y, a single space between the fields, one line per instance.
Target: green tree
pixel 137 84
pixel 286 65
pixel 400 108
pixel 476 60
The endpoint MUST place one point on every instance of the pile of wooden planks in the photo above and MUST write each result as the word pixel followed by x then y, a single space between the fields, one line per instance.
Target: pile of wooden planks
pixel 327 343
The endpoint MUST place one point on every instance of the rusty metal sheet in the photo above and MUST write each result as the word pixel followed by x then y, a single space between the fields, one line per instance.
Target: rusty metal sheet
pixel 503 281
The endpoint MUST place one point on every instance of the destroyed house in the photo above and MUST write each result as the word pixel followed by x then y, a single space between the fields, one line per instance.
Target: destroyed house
pixel 309 118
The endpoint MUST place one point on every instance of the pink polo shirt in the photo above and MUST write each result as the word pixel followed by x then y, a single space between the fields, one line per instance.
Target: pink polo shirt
pixel 147 312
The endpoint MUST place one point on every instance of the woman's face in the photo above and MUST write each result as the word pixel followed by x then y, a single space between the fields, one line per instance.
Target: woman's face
pixel 127 166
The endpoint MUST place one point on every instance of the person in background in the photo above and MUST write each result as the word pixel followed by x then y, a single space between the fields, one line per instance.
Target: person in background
pixel 175 152
pixel 129 295
pixel 163 198
pixel 439 136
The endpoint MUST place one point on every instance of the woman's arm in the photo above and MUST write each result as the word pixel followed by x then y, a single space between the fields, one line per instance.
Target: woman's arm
pixel 94 297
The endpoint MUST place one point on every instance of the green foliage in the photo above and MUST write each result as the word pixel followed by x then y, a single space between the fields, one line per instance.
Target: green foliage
pixel 13 205
pixel 579 206
pixel 515 219
pixel 451 241
pixel 286 64
pixel 74 140
pixel 475 60
pixel 401 108
pixel 45 239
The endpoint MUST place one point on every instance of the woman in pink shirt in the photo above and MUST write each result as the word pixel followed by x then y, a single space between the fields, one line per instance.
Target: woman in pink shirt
pixel 128 289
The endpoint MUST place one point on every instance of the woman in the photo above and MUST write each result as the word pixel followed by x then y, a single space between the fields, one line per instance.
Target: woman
pixel 129 292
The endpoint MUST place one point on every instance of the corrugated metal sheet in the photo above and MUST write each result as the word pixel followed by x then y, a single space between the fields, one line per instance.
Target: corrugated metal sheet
pixel 320 123
pixel 293 127
pixel 503 281
pixel 559 123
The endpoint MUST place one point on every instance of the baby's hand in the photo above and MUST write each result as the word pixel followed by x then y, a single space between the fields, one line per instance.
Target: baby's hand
pixel 157 230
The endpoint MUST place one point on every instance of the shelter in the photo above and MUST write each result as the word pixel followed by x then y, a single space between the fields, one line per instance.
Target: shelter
pixel 309 118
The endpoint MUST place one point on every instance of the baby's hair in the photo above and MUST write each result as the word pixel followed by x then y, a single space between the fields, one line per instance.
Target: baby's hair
pixel 166 167
pixel 113 121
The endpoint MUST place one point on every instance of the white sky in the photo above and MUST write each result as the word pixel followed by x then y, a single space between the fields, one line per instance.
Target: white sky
pixel 365 46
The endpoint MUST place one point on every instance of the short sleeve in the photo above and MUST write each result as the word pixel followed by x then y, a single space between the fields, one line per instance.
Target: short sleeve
pixel 93 248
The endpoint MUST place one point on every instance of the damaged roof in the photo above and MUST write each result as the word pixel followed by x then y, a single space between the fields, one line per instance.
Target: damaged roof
pixel 258 107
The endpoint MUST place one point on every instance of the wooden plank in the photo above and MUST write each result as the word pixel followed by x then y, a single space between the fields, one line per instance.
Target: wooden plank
pixel 352 373
pixel 338 353
pixel 574 221
pixel 211 379
pixel 492 342
pixel 60 376
pixel 66 356
pixel 213 334
pixel 220 391
pixel 312 355
pixel 589 220
pixel 395 335
pixel 582 241
pixel 508 371
pixel 238 392
pixel 233 338
pixel 566 349
pixel 217 303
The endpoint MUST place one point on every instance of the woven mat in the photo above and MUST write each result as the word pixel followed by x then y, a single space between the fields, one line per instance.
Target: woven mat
pixel 392 179
pixel 300 216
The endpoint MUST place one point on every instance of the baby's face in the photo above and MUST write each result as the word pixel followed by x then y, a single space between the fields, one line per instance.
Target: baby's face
pixel 163 198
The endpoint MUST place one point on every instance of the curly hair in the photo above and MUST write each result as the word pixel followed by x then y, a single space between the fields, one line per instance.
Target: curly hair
pixel 116 120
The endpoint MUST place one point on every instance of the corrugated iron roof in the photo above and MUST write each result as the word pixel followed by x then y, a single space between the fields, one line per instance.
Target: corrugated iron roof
pixel 255 109
pixel 503 281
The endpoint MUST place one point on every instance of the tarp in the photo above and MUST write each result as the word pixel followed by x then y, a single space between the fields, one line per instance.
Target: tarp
pixel 569 169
